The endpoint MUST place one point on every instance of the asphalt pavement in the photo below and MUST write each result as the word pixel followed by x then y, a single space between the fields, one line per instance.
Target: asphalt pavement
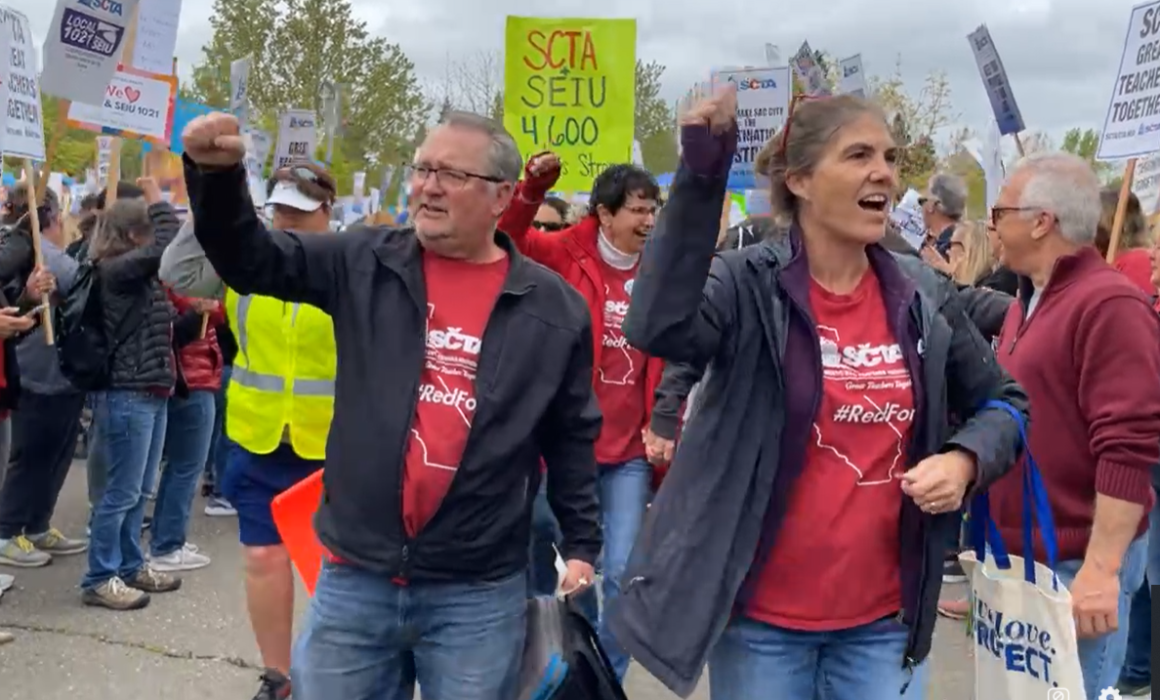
pixel 196 644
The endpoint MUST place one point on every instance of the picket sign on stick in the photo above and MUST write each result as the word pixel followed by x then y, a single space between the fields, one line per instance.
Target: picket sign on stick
pixel 1121 210
pixel 37 251
pixel 1019 145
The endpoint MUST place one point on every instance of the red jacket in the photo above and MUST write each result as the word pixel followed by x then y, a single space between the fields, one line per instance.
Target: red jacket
pixel 1089 359
pixel 200 360
pixel 572 253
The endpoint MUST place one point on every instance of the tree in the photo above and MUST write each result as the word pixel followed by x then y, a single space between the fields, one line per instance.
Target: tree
pixel 916 119
pixel 655 122
pixel 475 84
pixel 1036 142
pixel 294 46
pixel 1084 143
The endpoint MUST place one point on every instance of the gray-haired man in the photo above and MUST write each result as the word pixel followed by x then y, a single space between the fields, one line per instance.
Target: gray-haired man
pixel 943 205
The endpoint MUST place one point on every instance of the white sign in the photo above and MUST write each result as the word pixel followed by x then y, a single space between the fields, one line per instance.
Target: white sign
pixel 808 71
pixel 104 159
pixel 358 184
pixel 637 154
pixel 297 137
pixel 908 217
pixel 253 172
pixel 263 144
pixel 763 97
pixel 24 127
pixel 1146 184
pixel 853 80
pixel 239 88
pixel 1132 127
pixel 156 35
pixel 137 106
pixel 83 47
pixel 995 81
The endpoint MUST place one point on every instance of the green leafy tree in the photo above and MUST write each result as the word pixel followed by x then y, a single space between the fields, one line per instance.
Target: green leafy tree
pixel 655 122
pixel 1084 143
pixel 294 46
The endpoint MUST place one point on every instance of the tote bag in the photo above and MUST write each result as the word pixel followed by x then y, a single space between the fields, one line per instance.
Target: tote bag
pixel 1024 632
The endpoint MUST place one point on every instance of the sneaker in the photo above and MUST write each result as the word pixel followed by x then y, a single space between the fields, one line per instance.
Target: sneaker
pixel 275 686
pixel 218 507
pixel 19 551
pixel 151 580
pixel 6 583
pixel 115 595
pixel 55 543
pixel 954 609
pixel 6 637
pixel 1134 690
pixel 953 572
pixel 185 559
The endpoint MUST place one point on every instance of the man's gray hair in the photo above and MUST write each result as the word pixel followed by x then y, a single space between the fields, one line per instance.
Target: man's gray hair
pixel 951 193
pixel 1065 186
pixel 503 156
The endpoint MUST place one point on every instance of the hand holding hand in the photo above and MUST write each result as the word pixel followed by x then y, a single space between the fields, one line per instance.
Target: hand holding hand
pixel 214 140
pixel 658 450
pixel 939 482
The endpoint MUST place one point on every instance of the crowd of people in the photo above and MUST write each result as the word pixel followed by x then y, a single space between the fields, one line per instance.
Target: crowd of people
pixel 718 426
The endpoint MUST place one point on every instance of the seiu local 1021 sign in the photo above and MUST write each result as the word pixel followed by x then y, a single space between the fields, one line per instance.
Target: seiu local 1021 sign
pixel 136 105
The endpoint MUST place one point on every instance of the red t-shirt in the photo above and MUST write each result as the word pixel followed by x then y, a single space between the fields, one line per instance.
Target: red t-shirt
pixel 835 563
pixel 460 297
pixel 1136 264
pixel 619 378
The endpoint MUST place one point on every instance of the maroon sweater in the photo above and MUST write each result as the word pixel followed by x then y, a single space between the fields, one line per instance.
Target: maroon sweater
pixel 1089 359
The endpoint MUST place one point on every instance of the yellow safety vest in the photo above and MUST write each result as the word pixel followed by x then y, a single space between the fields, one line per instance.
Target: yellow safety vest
pixel 283 377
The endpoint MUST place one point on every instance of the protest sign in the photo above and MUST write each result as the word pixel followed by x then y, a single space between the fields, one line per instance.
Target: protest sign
pixel 24 127
pixel 156 37
pixel 297 137
pixel 907 215
pixel 263 143
pixel 104 158
pixel 569 87
pixel 995 80
pixel 1132 127
pixel 853 81
pixel 1146 184
pixel 763 97
pixel 83 47
pixel 136 105
pixel 239 88
pixel 813 80
pixel 358 184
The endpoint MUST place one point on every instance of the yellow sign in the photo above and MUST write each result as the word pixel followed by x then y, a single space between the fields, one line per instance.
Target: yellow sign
pixel 570 87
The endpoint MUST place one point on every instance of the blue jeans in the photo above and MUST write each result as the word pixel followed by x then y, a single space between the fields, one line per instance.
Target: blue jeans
pixel 187 436
pixel 756 661
pixel 1138 660
pixel 367 638
pixel 542 568
pixel 625 490
pixel 215 463
pixel 132 432
pixel 1102 658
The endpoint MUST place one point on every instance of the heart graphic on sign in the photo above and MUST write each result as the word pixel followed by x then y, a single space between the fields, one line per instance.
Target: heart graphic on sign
pixel 133 94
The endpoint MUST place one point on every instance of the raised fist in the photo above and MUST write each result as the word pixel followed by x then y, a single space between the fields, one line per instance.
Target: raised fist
pixel 214 140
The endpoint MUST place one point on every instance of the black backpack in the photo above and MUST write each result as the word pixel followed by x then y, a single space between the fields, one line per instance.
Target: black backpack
pixel 83 347
pixel 563 659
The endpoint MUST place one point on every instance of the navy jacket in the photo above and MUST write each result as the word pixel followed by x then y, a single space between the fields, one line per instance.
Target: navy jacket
pixel 744 314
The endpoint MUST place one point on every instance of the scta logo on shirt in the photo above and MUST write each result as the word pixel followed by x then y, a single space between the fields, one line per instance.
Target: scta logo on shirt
pixel 110 6
pixel 859 356
pixel 453 339
pixel 616 308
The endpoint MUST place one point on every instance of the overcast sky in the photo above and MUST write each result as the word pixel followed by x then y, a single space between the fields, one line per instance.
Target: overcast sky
pixel 1061 55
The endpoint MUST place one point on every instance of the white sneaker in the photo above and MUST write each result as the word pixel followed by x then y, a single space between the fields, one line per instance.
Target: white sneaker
pixel 6 582
pixel 184 559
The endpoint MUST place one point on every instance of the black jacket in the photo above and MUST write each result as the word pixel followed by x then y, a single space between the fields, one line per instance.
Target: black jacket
pixel 534 391
pixel 132 294
pixel 1001 280
pixel 714 517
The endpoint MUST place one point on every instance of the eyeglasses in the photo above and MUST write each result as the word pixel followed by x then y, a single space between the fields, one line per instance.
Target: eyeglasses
pixel 550 226
pixel 449 178
pixel 998 212
pixel 298 172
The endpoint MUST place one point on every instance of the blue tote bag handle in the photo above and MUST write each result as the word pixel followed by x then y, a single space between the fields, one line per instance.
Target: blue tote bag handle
pixel 1036 511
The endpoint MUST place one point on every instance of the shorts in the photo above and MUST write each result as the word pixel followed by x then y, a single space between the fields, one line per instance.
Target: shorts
pixel 250 484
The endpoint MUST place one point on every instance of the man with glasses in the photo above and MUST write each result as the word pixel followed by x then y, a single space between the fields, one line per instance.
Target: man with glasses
pixel 462 366
pixel 599 257
pixel 276 438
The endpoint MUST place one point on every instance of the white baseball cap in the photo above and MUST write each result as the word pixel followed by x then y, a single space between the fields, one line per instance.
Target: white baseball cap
pixel 287 194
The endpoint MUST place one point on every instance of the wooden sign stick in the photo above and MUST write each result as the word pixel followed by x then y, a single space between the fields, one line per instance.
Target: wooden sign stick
pixel 1121 210
pixel 37 250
